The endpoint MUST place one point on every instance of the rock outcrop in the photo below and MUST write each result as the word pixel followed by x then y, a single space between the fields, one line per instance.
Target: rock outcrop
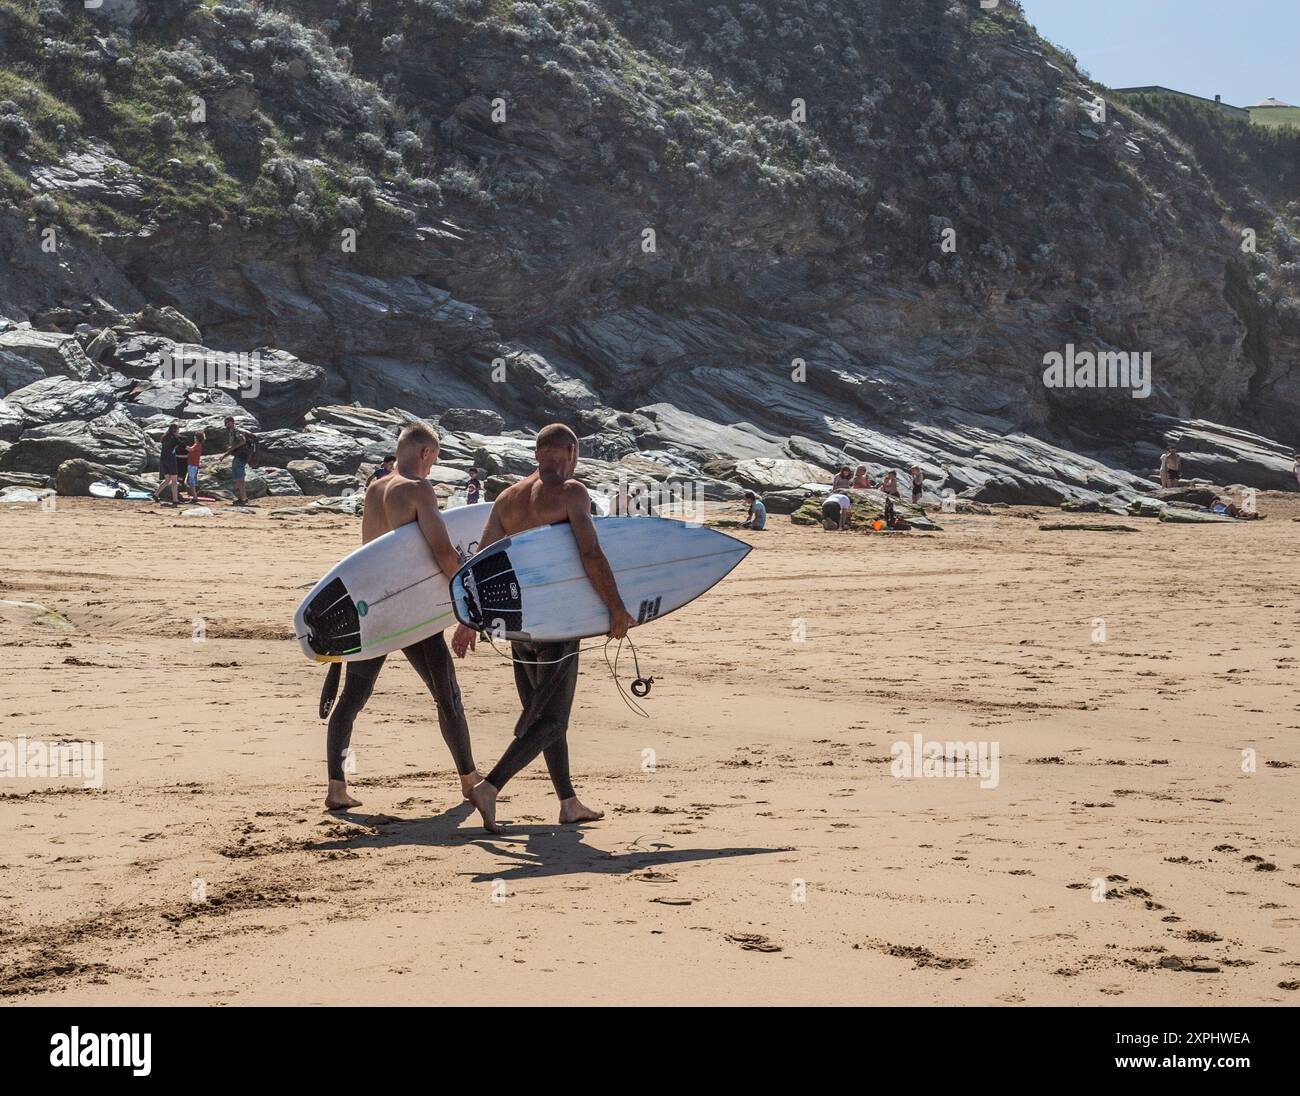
pixel 739 244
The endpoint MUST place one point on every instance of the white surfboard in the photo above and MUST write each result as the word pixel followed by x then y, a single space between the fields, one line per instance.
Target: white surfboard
pixel 387 594
pixel 532 585
pixel 104 490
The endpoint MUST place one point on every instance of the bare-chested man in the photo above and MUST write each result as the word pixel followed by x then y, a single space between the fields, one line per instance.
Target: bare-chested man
pixel 546 673
pixel 403 496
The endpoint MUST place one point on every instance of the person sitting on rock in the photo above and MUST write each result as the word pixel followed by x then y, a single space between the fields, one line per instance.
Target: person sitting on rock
pixel 889 485
pixel 835 512
pixel 756 518
pixel 843 479
pixel 861 479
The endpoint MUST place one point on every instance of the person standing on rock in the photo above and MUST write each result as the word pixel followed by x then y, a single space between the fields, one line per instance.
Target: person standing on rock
pixel 1170 466
pixel 889 485
pixel 240 447
pixel 167 462
pixel 546 674
pixel 918 484
pixel 193 457
pixel 405 496
pixel 473 489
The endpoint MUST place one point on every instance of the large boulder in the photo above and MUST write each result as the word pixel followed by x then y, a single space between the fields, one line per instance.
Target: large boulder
pixel 168 322
pixel 74 477
pixel 278 481
pixel 112 440
pixel 12 421
pixel 284 387
pixel 215 479
pixel 1018 491
pixel 62 399
pixel 472 419
pixel 314 478
pixel 361 423
pixel 778 474
pixel 27 356
pixel 24 479
pixel 338 452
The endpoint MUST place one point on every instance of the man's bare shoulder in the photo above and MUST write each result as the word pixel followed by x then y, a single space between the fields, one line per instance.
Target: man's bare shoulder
pixel 575 490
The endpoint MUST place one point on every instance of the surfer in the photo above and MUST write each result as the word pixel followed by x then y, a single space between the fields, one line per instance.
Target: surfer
pixel 403 496
pixel 546 674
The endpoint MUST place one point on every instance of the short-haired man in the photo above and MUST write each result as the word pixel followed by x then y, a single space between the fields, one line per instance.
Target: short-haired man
pixel 404 496
pixel 238 446
pixel 546 674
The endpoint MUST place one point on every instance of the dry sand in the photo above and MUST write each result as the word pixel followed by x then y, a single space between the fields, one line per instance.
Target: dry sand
pixel 1119 760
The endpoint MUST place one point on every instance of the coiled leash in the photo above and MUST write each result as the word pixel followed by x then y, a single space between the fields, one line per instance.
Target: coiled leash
pixel 640 686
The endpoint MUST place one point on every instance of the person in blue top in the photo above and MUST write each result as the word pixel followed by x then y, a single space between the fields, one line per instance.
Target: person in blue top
pixel 473 489
pixel 757 516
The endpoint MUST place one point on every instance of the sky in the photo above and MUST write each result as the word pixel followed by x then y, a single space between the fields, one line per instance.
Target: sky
pixel 1244 50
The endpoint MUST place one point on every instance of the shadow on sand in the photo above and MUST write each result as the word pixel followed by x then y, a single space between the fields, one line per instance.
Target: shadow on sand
pixel 527 852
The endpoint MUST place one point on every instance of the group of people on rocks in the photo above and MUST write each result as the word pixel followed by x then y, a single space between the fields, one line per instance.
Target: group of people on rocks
pixel 242 447
pixel 837 506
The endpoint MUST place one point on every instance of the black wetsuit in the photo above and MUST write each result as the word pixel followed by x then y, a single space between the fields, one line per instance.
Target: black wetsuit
pixel 546 675
pixel 432 661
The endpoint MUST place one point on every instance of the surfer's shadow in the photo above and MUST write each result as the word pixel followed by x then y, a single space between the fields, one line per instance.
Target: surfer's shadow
pixel 533 852
pixel 439 829
pixel 550 851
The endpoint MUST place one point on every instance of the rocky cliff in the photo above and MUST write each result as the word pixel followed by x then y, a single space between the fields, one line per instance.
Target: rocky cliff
pixel 794 231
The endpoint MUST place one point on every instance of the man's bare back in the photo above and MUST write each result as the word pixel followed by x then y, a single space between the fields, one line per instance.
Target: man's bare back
pixel 390 503
pixel 531 503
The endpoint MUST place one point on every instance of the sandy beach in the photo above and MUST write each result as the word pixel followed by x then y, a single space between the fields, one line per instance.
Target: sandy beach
pixel 756 848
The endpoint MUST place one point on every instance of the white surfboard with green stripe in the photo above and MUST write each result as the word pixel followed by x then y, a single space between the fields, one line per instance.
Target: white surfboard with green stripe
pixel 387 594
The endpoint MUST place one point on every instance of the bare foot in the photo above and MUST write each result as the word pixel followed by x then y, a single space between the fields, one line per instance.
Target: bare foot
pixel 573 810
pixel 468 780
pixel 338 799
pixel 484 798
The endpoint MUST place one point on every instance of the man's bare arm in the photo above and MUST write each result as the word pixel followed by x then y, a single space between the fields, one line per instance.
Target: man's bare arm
pixel 435 529
pixel 578 504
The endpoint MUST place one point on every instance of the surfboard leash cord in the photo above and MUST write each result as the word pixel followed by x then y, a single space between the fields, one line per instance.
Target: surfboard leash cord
pixel 639 688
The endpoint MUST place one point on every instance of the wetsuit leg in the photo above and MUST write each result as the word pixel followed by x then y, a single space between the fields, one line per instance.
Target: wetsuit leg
pixel 358 684
pixel 432 661
pixel 546 675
